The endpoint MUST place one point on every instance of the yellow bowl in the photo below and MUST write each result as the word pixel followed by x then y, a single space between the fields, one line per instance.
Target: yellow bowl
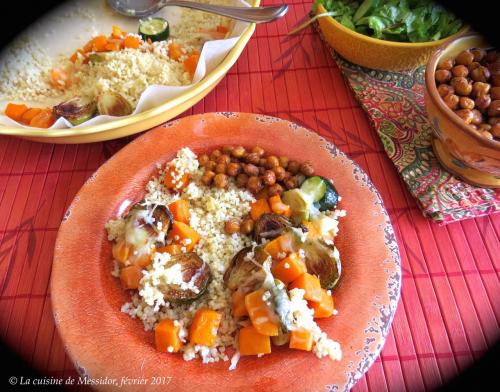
pixel 376 53
pixel 460 149
pixel 141 121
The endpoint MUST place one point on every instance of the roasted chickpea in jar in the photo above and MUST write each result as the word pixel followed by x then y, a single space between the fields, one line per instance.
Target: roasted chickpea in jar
pixel 466 115
pixel 482 102
pixel 452 101
pixel 461 86
pixel 494 109
pixel 458 70
pixel 443 76
pixel 466 103
pixel 464 58
pixel 446 64
pixel 480 88
pixel 445 89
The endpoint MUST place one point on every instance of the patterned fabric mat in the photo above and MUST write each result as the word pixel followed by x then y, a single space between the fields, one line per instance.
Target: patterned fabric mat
pixel 394 102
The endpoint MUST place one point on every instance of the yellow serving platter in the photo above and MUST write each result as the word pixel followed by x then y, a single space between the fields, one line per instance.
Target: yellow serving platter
pixel 141 121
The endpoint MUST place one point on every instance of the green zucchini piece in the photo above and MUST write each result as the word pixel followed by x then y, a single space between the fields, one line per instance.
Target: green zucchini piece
pixel 322 191
pixel 155 29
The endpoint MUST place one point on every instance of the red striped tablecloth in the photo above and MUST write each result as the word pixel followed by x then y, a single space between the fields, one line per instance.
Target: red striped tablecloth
pixel 449 313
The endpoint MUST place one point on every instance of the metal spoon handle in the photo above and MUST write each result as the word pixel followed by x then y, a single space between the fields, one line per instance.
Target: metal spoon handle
pixel 246 14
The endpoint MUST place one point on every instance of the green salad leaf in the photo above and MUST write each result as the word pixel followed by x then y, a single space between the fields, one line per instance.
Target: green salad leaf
pixel 394 20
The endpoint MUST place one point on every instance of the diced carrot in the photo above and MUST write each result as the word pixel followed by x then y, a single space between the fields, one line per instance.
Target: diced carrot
pixel 289 269
pixel 282 244
pixel 301 339
pixel 44 119
pixel 29 114
pixel 259 207
pixel 59 78
pixel 15 111
pixel 287 243
pixel 204 327
pixel 79 55
pixel 180 210
pixel 184 235
pixel 142 259
pixel 251 342
pixel 98 44
pixel 278 207
pixel 114 44
pixel 116 32
pixel 273 247
pixel 131 276
pixel 121 251
pixel 261 314
pixel 172 249
pixel 222 29
pixel 131 42
pixel 167 336
pixel 238 301
pixel 323 308
pixel 191 63
pixel 310 284
pixel 173 180
pixel 175 51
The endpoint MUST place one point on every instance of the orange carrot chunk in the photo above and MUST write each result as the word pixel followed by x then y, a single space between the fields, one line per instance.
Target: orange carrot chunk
pixel 251 342
pixel 191 63
pixel 130 277
pixel 180 210
pixel 131 42
pixel 278 207
pixel 79 54
pixel 121 251
pixel 259 207
pixel 15 111
pixel 175 51
pixel 44 119
pixel 261 315
pixel 238 301
pixel 204 327
pixel 310 284
pixel 323 308
pixel 184 235
pixel 167 336
pixel 301 339
pixel 116 32
pixel 114 45
pixel 29 114
pixel 141 260
pixel 289 269
pixel 172 249
pixel 222 29
pixel 174 180
pixel 98 44
pixel 59 78
pixel 273 247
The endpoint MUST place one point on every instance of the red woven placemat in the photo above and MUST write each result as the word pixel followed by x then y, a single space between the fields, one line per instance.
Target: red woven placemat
pixel 449 313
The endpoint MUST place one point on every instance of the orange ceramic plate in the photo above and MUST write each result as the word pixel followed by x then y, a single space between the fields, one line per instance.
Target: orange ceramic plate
pixel 104 342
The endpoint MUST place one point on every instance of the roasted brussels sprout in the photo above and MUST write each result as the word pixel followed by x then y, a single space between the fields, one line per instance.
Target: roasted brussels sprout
pixel 193 270
pixel 245 271
pixel 113 104
pixel 76 110
pixel 322 260
pixel 270 226
pixel 144 224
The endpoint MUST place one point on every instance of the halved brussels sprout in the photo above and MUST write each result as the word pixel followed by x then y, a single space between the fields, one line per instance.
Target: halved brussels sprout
pixel 270 226
pixel 322 260
pixel 245 272
pixel 113 104
pixel 76 110
pixel 194 270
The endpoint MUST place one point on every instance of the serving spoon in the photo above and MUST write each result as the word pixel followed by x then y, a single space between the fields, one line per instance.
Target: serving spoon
pixel 145 8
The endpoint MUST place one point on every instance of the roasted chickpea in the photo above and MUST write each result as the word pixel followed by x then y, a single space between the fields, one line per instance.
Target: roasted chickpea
pixel 262 162
pixel 272 161
pixel 445 89
pixel 466 115
pixel 477 117
pixel 446 64
pixel 300 178
pixel 466 103
pixel 492 56
pixel 495 130
pixel 478 53
pixel 306 169
pixel 494 68
pixel 480 88
pixel 495 93
pixel 207 177
pixel 451 100
pixel 494 120
pixel 293 167
pixel 494 109
pixel 241 180
pixel 220 168
pixel 215 154
pixel 251 170
pixel 233 169
pixel 203 159
pixel 262 170
pixel 246 226
pixel 464 58
pixel 443 76
pixel 254 184
pixel 480 74
pixel 252 158
pixel 461 86
pixel 232 226
pixel 210 165
pixel 228 150
pixel 283 161
pixel 275 189
pixel 221 181
pixel 269 178
pixel 279 172
pixel 224 158
pixel 258 150
pixel 473 66
pixel 291 183
pixel 238 152
pixel 495 80
pixel 484 127
pixel 483 102
pixel 458 70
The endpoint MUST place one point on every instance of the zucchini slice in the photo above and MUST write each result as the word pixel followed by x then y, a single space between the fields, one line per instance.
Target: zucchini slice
pixel 322 192
pixel 155 29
